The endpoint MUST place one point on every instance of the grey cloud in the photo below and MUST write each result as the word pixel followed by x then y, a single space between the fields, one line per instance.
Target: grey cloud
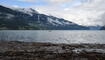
pixel 86 12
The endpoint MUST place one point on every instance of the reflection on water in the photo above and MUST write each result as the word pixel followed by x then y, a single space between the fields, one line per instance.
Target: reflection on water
pixel 54 36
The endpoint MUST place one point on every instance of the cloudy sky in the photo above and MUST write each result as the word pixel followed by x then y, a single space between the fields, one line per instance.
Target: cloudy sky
pixel 83 12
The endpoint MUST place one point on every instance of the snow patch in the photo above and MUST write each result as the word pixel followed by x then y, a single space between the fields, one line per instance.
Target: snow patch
pixel 29 11
pixel 57 21
pixel 54 22
pixel 9 16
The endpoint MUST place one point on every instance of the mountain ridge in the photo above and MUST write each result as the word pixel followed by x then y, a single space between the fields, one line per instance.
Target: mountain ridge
pixel 18 19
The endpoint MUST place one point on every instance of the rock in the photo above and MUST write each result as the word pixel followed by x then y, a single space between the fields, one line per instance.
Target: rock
pixel 47 51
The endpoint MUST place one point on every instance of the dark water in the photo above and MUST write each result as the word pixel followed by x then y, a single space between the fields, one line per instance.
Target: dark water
pixel 54 36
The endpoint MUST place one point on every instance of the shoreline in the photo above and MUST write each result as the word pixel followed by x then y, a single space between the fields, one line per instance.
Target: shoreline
pixel 11 50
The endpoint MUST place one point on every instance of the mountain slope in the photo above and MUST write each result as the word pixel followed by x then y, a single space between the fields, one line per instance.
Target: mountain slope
pixel 103 28
pixel 22 18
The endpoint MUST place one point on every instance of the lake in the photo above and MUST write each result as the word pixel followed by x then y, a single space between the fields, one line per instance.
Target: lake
pixel 54 36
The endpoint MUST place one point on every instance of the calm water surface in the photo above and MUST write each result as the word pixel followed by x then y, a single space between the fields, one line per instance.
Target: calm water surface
pixel 54 36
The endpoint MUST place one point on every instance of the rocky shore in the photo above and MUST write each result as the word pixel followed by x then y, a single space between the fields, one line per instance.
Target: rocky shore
pixel 15 50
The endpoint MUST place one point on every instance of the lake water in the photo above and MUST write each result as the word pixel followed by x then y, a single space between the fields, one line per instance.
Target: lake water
pixel 54 36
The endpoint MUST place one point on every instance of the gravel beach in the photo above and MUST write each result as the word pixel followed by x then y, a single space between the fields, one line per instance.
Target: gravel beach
pixel 15 50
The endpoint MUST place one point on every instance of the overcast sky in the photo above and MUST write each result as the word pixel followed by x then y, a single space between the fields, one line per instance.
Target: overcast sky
pixel 83 12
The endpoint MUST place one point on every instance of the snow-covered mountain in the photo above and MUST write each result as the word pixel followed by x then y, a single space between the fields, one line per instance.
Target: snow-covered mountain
pixel 28 18
pixel 29 11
